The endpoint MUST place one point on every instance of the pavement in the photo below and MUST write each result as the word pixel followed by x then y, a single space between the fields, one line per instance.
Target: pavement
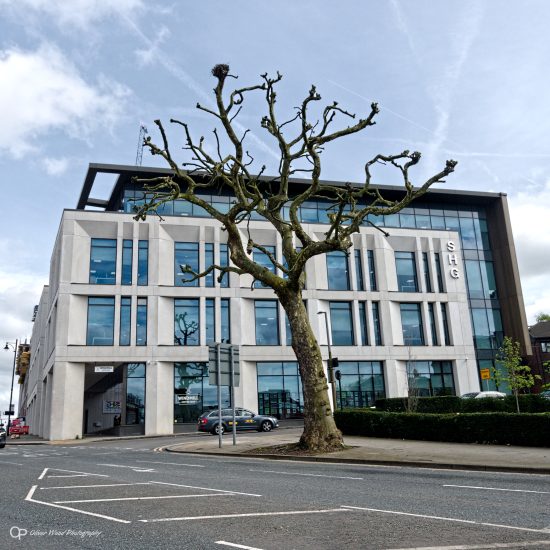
pixel 361 450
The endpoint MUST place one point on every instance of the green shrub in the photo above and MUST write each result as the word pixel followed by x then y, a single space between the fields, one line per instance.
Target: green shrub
pixel 443 404
pixel 526 429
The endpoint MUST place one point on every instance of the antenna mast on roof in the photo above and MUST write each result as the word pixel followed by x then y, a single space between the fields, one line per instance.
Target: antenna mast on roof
pixel 141 138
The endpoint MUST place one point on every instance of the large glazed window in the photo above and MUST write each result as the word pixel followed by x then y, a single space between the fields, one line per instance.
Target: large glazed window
pixel 337 271
pixel 411 321
pixel 127 255
pixel 141 322
pixel 267 322
pixel 279 389
pixel 263 259
pixel 208 261
pixel 430 378
pixel 406 272
pixel 101 321
pixel 135 393
pixel 376 323
pixel 226 320
pixel 224 262
pixel 143 263
pixel 372 271
pixel 341 324
pixel 359 281
pixel 125 316
pixel 186 322
pixel 103 262
pixel 361 384
pixel 186 254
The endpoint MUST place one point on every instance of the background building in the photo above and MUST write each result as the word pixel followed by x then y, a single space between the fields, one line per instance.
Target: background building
pixel 120 340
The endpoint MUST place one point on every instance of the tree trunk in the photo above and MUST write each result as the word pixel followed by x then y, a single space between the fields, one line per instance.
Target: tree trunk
pixel 320 431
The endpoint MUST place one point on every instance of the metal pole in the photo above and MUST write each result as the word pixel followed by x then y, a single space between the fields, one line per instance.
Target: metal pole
pixel 330 370
pixel 232 359
pixel 340 392
pixel 219 369
pixel 11 391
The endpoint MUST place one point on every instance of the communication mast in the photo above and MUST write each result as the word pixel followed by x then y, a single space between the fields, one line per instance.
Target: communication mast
pixel 141 138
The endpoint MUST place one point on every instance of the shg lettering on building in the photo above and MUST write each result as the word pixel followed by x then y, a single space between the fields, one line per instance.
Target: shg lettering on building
pixel 453 260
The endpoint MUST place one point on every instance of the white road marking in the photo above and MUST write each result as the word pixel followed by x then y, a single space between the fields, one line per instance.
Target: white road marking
pixel 482 546
pixel 7 462
pixel 307 475
pixel 141 498
pixel 486 524
pixel 205 488
pixel 251 515
pixel 29 498
pixel 43 473
pixel 86 486
pixel 74 473
pixel 170 463
pixel 499 489
pixel 233 545
pixel 135 468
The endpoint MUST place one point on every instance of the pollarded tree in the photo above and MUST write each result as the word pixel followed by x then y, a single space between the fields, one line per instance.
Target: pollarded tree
pixel 300 142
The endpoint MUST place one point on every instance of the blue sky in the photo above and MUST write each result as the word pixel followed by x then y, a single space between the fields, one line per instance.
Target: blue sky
pixel 457 79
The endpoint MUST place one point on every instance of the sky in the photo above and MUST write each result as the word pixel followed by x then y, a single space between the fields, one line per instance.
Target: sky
pixel 460 79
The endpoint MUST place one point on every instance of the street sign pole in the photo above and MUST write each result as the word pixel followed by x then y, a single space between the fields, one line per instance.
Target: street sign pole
pixel 232 363
pixel 219 368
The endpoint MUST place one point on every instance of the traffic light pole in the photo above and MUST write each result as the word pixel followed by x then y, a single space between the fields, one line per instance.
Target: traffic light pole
pixel 330 366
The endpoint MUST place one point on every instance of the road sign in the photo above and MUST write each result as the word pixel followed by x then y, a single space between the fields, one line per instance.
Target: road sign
pixel 485 374
pixel 225 365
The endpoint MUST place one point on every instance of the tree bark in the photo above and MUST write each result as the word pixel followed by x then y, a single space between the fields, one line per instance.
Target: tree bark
pixel 320 431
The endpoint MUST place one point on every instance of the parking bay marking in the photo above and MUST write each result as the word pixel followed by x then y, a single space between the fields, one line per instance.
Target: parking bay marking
pixel 456 520
pixel 499 489
pixel 86 486
pixel 205 488
pixel 73 472
pixel 135 468
pixel 299 474
pixel 171 463
pixel 233 545
pixel 141 498
pixel 483 546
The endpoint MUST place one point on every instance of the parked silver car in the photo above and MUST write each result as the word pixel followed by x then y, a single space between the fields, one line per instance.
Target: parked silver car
pixel 244 419
pixel 2 437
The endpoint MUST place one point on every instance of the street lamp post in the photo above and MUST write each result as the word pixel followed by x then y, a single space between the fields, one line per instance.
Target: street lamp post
pixel 330 368
pixel 6 348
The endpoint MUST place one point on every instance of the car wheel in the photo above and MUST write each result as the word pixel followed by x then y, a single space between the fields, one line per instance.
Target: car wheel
pixel 216 429
pixel 2 445
pixel 266 426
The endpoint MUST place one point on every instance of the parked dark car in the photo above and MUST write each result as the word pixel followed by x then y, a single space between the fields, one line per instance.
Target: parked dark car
pixel 244 419
pixel 2 437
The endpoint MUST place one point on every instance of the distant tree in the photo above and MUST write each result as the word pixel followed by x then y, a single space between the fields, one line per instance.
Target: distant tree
pixel 542 317
pixel 300 141
pixel 518 376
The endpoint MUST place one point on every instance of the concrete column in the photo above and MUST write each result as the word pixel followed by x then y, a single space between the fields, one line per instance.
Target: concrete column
pixel 159 398
pixel 48 406
pixel 67 401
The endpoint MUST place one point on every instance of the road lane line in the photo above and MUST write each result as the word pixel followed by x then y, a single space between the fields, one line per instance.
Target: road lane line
pixel 299 474
pixel 141 498
pixel 29 498
pixel 8 462
pixel 251 515
pixel 482 546
pixel 456 520
pixel 170 463
pixel 77 473
pixel 135 468
pixel 233 545
pixel 85 486
pixel 499 489
pixel 205 488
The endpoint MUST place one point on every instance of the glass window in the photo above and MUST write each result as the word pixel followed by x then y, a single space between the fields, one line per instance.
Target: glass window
pixel 341 324
pixel 363 323
pixel 359 270
pixel 267 322
pixel 226 321
pixel 186 322
pixel 376 323
pixel 288 331
pixel 143 263
pixel 279 389
pixel 263 259
pixel 433 329
pixel 426 269
pixel 411 322
pixel 210 321
pixel 444 318
pixel 488 278
pixel 360 385
pixel 337 270
pixel 141 322
pixel 224 262
pixel 208 261
pixel 125 316
pixel 372 271
pixel 438 272
pixel 103 262
pixel 135 393
pixel 406 272
pixel 467 233
pixel 430 378
pixel 186 254
pixel 101 321
pixel 482 335
pixel 127 254
pixel 473 277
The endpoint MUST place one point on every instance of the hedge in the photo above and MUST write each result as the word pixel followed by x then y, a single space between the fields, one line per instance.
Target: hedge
pixel 526 429
pixel 452 404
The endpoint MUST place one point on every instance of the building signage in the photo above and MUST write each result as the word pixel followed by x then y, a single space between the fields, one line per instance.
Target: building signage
pixel 485 374
pixel 188 399
pixel 104 369
pixel 112 407
pixel 453 260
pixel 34 313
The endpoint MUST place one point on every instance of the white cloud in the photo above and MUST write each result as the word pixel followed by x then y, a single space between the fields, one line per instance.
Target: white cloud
pixel 78 13
pixel 55 166
pixel 42 91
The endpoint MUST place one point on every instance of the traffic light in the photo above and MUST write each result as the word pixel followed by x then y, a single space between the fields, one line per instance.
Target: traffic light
pixel 334 363
pixel 337 375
